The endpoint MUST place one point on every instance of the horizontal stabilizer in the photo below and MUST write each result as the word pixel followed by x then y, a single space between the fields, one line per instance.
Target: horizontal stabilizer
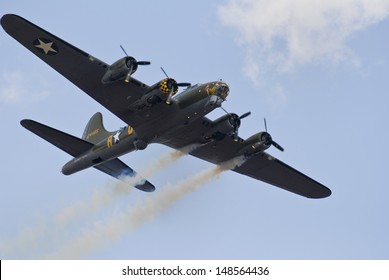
pixel 66 142
pixel 76 146
pixel 118 169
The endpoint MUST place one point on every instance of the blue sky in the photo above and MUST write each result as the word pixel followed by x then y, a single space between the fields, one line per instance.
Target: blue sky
pixel 318 73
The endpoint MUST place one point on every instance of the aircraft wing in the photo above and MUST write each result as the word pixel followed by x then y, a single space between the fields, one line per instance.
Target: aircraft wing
pixel 79 67
pixel 260 166
pixel 75 147
pixel 267 168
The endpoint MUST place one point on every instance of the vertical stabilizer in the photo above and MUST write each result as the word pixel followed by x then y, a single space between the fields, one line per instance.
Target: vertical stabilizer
pixel 94 131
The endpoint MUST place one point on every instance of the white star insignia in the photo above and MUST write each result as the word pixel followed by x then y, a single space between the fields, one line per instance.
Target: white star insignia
pixel 46 47
pixel 116 137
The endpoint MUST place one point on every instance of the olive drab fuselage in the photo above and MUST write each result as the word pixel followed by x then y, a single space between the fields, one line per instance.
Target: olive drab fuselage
pixel 194 102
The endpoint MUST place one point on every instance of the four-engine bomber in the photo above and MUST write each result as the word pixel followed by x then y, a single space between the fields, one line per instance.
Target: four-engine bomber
pixel 152 114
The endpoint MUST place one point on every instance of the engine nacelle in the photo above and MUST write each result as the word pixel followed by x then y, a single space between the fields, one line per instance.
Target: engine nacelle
pixel 225 125
pixel 257 143
pixel 168 85
pixel 160 92
pixel 122 70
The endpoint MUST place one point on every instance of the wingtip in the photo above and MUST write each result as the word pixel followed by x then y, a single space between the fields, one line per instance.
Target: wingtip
pixel 5 19
pixel 325 192
pixel 329 193
pixel 25 122
pixel 146 187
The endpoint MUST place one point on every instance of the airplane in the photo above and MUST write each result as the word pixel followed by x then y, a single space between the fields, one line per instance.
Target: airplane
pixel 153 114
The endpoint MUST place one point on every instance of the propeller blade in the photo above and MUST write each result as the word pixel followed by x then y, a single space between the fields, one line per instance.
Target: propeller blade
pixel 128 76
pixel 124 50
pixel 143 63
pixel 169 98
pixel 245 115
pixel 183 84
pixel 270 140
pixel 235 136
pixel 167 76
pixel 275 144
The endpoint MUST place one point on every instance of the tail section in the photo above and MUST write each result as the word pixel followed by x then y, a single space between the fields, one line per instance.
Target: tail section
pixel 94 131
pixel 76 147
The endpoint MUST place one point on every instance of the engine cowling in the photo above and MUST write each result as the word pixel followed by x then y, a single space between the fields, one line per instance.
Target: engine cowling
pixel 257 143
pixel 160 91
pixel 168 85
pixel 225 125
pixel 120 69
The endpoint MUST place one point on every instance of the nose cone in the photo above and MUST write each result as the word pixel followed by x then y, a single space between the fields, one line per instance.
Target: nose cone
pixel 222 90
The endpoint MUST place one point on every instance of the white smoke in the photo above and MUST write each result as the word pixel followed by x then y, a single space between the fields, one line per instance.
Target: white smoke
pixel 103 197
pixel 284 34
pixel 35 239
pixel 99 199
pixel 109 231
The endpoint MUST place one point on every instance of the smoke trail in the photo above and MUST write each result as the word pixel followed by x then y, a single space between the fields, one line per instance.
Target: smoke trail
pixel 167 160
pixel 112 229
pixel 100 198
pixel 38 238
pixel 103 197
pixel 24 242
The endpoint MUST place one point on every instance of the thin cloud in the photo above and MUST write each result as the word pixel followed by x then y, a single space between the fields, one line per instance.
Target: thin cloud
pixel 282 35
pixel 12 91
pixel 18 87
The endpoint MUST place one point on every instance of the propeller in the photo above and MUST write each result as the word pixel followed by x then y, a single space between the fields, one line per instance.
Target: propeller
pixel 235 121
pixel 237 124
pixel 269 140
pixel 245 115
pixel 173 86
pixel 132 64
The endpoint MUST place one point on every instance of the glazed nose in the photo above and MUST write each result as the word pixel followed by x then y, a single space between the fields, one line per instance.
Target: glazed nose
pixel 222 90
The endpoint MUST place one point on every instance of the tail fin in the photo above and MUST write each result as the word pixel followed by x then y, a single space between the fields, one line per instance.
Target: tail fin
pixel 94 131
